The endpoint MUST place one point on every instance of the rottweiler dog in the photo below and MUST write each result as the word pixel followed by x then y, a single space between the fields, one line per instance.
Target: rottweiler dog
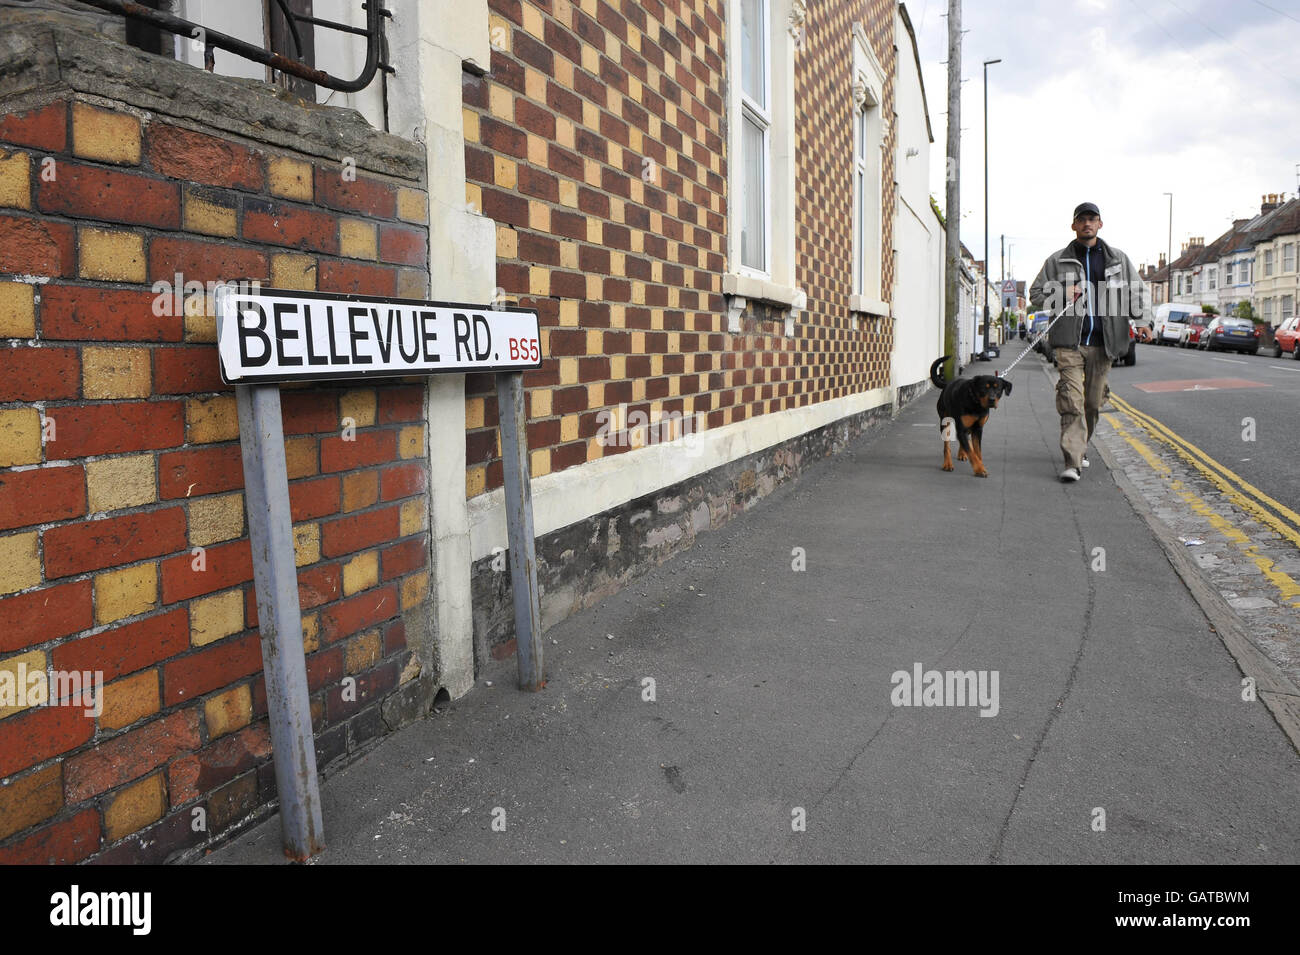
pixel 967 402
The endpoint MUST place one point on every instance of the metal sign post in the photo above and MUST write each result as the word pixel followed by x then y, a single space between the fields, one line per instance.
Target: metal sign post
pixel 268 336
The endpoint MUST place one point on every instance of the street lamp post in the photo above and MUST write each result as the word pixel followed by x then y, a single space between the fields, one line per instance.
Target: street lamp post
pixel 987 64
pixel 1169 253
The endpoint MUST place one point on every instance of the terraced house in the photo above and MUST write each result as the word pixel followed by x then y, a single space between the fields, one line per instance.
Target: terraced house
pixel 719 210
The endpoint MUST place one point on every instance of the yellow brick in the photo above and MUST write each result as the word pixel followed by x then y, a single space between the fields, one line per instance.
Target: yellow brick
pixel 638 238
pixel 591 172
pixel 362 652
pixel 15 180
pixel 539 463
pixel 212 618
pixel 412 283
pixel 216 519
pixel 568 313
pixel 563 74
pixel 590 115
pixel 112 256
pixel 211 419
pixel 412 517
pixel 595 231
pixel 568 371
pixel 638 389
pixel 568 193
pixel 357 239
pixel 569 427
pixel 128 700
pixel 617 263
pixel 656 365
pixel 229 711
pixel 414 589
pixel 111 137
pixel 135 807
pixel 499 32
pixel 360 490
pixel 507 242
pixel 290 178
pixel 293 271
pixel 474 409
pixel 539 281
pixel 617 366
pixel 361 573
pixel 360 405
pixel 591 59
pixel 504 172
pixel 475 481
pixel 410 441
pixel 534 23
pixel 311 633
pixel 618 316
pixel 306 544
pixel 19 566
pixel 208 217
pixel 534 85
pixel 115 372
pixel 501 102
pixel 474 197
pixel 541 403
pixel 594 285
pixel 595 395
pixel 538 150
pixel 17 310
pixel 31 799
pixel 300 455
pixel 617 209
pixel 470 121
pixel 20 437
pixel 126 592
pixel 18 669
pixel 411 205
pixel 568 255
pixel 200 319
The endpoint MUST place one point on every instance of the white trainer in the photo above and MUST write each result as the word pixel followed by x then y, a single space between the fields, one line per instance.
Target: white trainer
pixel 1070 474
pixel 1085 462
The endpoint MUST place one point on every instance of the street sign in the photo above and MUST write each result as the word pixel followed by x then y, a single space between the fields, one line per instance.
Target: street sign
pixel 278 335
pixel 1009 287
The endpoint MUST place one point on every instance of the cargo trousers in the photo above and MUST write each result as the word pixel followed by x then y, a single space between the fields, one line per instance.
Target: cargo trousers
pixel 1080 393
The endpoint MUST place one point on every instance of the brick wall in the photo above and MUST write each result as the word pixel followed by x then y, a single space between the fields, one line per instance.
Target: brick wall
pixel 123 544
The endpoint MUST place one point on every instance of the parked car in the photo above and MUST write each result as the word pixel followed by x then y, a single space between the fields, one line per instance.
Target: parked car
pixel 1229 333
pixel 1189 335
pixel 1131 358
pixel 1169 322
pixel 1287 338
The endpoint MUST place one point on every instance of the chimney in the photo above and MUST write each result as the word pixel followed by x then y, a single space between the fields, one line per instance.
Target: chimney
pixel 1162 261
pixel 1269 204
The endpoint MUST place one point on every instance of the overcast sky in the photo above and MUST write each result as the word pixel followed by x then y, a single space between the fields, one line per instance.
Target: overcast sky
pixel 1115 102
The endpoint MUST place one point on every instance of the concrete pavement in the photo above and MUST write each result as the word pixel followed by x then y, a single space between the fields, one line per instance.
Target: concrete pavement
pixel 772 692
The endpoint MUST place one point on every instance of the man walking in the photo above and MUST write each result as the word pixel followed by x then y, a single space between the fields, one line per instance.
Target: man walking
pixel 1095 330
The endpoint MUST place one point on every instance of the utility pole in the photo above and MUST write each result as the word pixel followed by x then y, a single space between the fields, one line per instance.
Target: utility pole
pixel 1002 304
pixel 952 195
pixel 1169 253
pixel 987 64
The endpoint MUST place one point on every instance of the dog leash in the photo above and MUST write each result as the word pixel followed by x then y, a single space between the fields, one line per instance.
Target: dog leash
pixel 1041 335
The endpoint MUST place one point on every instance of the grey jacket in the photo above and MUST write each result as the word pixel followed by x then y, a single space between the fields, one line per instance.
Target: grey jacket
pixel 1126 297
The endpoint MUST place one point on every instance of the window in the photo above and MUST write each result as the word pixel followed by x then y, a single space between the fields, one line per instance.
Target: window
pixel 1268 261
pixel 1288 257
pixel 868 186
pixel 755 138
pixel 1288 307
pixel 1267 310
pixel 1212 277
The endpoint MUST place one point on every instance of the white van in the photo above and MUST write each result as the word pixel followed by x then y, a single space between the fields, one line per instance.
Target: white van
pixel 1170 320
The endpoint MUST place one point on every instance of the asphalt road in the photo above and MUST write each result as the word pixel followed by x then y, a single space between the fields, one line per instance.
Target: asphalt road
pixel 1212 419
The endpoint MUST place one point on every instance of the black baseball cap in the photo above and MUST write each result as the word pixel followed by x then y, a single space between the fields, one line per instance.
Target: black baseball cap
pixel 1087 209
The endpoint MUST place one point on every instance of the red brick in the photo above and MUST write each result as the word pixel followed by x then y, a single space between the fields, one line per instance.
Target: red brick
pixel 95 313
pixel 184 154
pixel 77 548
pixel 41 615
pixel 199 261
pixel 309 500
pixel 317 585
pixel 395 637
pixel 115 428
pixel 197 773
pixel 39 374
pixel 187 370
pixel 127 649
pixel 200 471
pixel 61 843
pixel 359 531
pixel 44 128
pixel 324 667
pixel 211 668
pixel 309 412
pixel 226 565
pixel 41 496
pixel 370 447
pixel 130 755
pixel 402 481
pixel 402 245
pixel 405 557
pixel 368 196
pixel 34 736
pixel 110 195
pixel 370 686
pixel 37 247
pixel 294 226
pixel 356 278
pixel 356 613
pixel 405 403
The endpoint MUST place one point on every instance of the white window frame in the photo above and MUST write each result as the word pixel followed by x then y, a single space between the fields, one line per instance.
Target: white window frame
pixel 1288 257
pixel 1212 277
pixel 775 282
pixel 868 240
pixel 1268 262
pixel 1287 308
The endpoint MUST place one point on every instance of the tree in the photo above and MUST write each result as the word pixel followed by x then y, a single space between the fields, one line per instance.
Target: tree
pixel 1209 309
pixel 1245 310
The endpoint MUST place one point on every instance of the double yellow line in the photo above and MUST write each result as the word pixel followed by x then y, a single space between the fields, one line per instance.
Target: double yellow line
pixel 1269 512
